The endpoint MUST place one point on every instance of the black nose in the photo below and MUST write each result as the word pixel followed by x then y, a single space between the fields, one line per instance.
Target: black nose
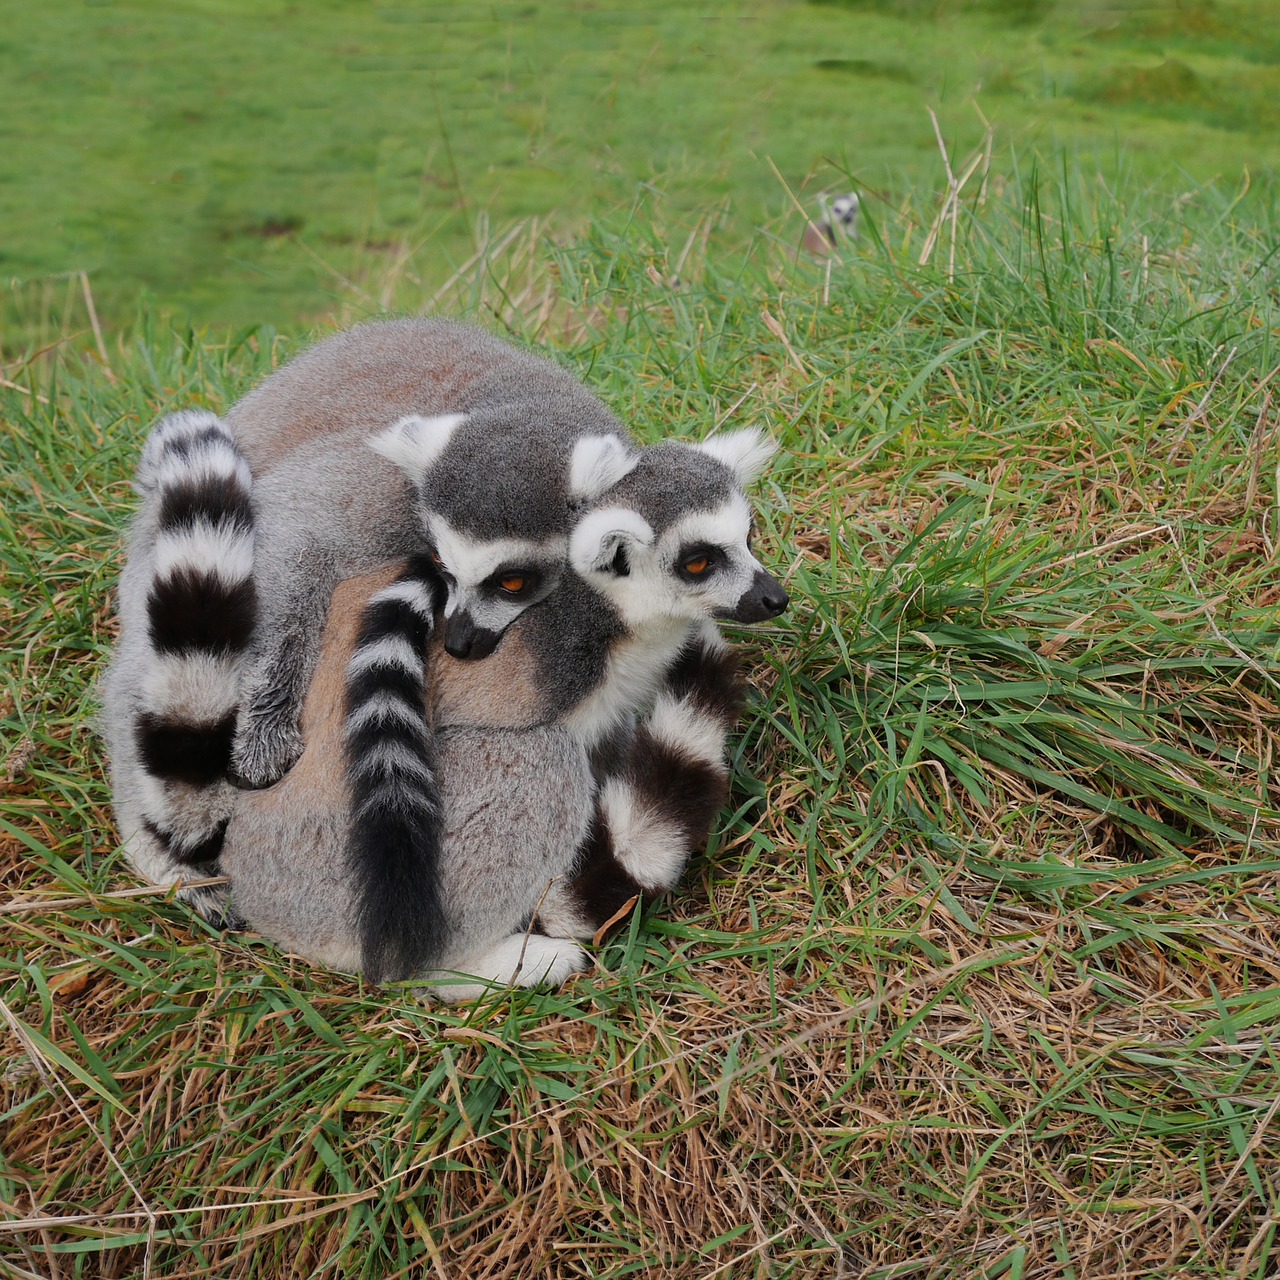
pixel 775 601
pixel 456 648
pixel 765 599
pixel 463 639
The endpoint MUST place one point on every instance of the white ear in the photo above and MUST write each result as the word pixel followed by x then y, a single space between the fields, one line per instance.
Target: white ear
pixel 595 540
pixel 415 442
pixel 598 463
pixel 746 453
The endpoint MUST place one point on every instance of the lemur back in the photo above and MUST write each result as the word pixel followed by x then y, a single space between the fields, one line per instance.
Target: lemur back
pixel 479 449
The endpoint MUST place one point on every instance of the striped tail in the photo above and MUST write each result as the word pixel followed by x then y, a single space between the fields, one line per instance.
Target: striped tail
pixel 396 811
pixel 200 609
pixel 657 806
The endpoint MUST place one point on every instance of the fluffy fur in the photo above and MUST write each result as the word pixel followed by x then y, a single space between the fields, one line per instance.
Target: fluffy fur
pixel 432 396
pixel 187 609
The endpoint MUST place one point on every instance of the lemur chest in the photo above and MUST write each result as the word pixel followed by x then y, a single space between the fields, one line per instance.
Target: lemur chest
pixel 499 692
pixel 634 669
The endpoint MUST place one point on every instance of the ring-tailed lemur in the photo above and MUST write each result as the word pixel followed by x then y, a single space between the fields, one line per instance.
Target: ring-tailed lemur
pixel 187 609
pixel 669 552
pixel 513 743
pixel 501 447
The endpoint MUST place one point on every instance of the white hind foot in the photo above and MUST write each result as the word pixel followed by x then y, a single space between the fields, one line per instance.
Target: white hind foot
pixel 521 960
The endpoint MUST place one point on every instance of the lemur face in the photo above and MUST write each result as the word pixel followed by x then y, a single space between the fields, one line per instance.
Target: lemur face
pixel 844 210
pixel 675 539
pixel 490 582
pixel 495 493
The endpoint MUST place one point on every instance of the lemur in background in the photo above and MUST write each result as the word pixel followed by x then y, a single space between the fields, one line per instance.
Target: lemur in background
pixel 502 447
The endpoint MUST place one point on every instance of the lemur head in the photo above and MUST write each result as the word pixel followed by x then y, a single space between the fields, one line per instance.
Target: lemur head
pixel 497 491
pixel 673 537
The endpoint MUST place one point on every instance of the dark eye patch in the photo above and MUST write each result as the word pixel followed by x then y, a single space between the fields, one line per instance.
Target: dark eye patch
pixel 696 563
pixel 513 583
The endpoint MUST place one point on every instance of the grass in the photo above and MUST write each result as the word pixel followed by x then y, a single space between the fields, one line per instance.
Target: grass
pixel 981 976
pixel 244 159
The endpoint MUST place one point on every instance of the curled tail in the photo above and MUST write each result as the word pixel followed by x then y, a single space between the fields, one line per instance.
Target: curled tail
pixel 657 805
pixel 396 812
pixel 200 609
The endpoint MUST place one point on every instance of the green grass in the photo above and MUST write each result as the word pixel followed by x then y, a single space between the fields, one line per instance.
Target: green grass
pixel 234 161
pixel 981 976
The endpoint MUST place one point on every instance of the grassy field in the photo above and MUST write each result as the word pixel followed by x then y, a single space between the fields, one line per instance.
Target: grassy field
pixel 981 976
pixel 230 161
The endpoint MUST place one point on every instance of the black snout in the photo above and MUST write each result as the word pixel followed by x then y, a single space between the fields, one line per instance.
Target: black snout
pixel 463 639
pixel 766 599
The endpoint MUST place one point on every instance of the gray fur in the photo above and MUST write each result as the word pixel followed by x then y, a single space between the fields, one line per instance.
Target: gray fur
pixel 516 796
pixel 290 879
pixel 329 507
pixel 672 480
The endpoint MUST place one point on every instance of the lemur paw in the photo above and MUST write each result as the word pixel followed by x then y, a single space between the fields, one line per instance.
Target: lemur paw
pixel 265 749
pixel 549 962
pixel 212 903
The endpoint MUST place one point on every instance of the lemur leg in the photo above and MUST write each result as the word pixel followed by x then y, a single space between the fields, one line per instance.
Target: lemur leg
pixel 657 804
pixel 321 518
pixel 268 740
pixel 295 581
pixel 521 960
pixel 187 607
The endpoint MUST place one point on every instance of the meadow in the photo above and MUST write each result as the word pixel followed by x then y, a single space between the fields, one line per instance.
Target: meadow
pixel 227 162
pixel 980 976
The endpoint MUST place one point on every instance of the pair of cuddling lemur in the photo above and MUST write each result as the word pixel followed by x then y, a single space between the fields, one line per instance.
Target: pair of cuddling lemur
pixel 389 795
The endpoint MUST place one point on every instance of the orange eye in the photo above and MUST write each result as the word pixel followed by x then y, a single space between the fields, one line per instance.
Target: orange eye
pixel 513 582
pixel 697 565
pixel 435 558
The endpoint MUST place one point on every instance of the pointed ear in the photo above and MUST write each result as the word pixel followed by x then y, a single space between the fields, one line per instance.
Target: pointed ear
pixel 598 463
pixel 415 442
pixel 597 538
pixel 746 453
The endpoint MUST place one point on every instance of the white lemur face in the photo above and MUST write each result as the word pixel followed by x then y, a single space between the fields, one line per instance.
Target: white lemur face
pixel 675 539
pixel 496 496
